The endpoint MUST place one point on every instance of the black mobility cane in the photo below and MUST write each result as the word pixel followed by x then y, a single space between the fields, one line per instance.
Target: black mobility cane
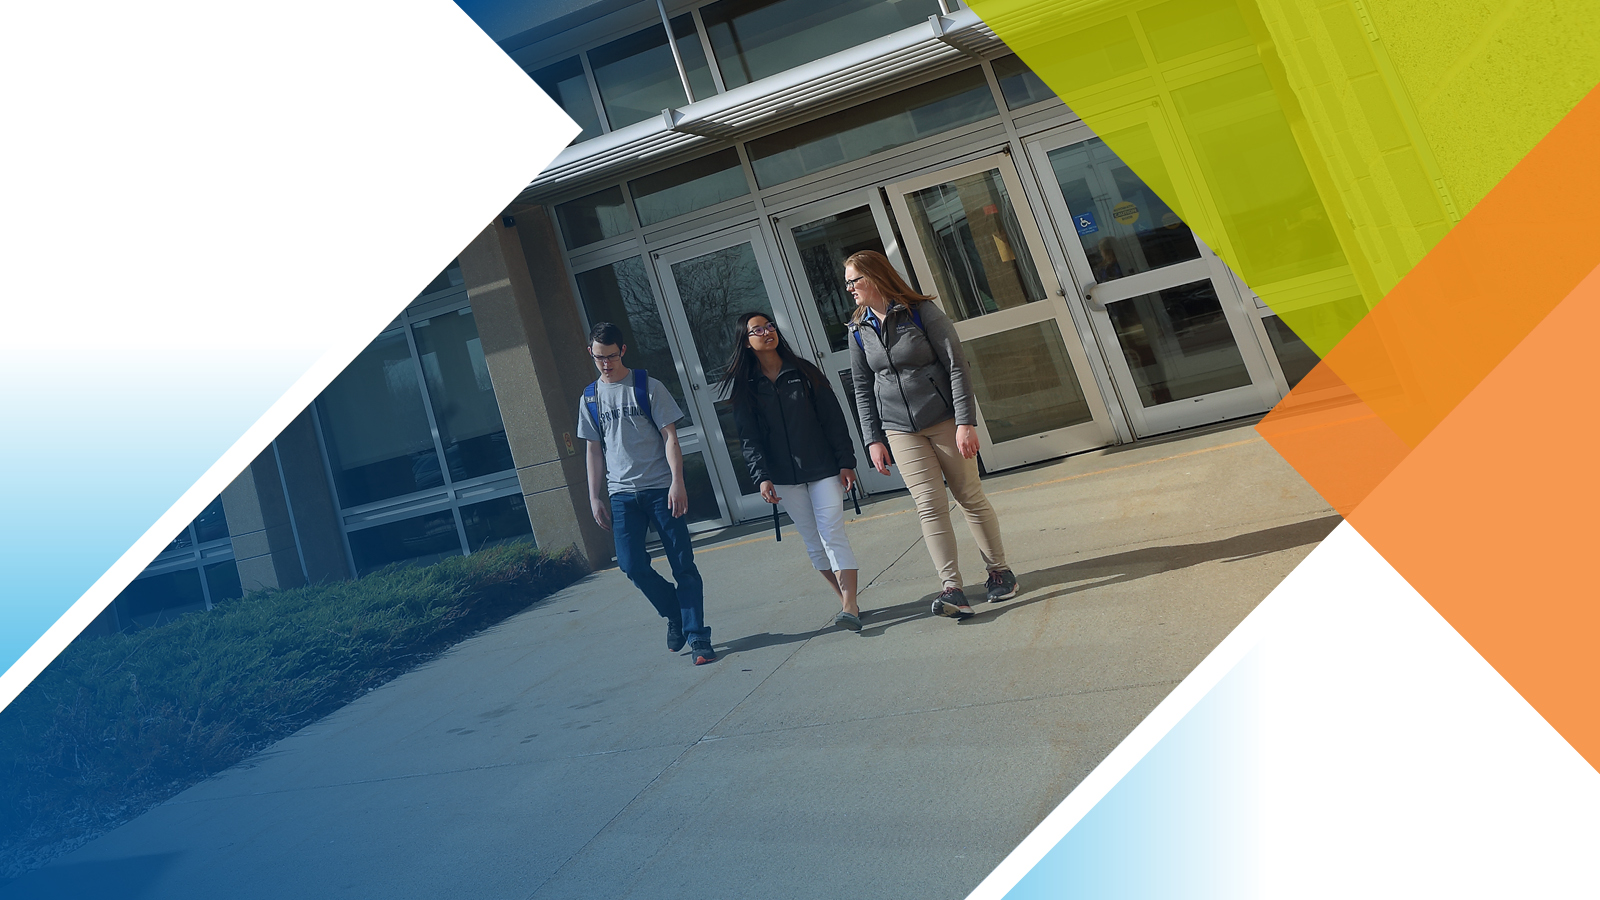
pixel 777 530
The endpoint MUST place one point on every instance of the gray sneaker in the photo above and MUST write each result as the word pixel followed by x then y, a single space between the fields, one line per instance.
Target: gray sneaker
pixel 1002 585
pixel 952 604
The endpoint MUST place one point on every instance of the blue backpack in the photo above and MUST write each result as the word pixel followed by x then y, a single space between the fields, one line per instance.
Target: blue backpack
pixel 641 394
pixel 916 319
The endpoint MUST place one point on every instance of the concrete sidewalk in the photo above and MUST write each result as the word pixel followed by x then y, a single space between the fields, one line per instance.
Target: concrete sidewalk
pixel 566 754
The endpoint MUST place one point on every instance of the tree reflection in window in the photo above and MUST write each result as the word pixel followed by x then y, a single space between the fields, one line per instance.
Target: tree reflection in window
pixel 620 293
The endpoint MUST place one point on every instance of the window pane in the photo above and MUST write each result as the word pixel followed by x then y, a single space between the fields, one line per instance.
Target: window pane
pixel 694 57
pixel 449 278
pixel 212 523
pixel 972 239
pixel 1121 221
pixel 422 540
pixel 497 521
pixel 824 246
pixel 694 185
pixel 620 293
pixel 222 580
pixel 752 39
pixel 697 483
pixel 569 88
pixel 637 77
pixel 1294 356
pixel 157 599
pixel 375 428
pixel 1177 344
pixel 596 217
pixel 716 287
pixel 1024 382
pixel 464 407
pixel 893 121
pixel 1018 84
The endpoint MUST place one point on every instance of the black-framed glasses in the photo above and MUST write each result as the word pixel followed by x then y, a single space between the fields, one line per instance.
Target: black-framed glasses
pixel 850 283
pixel 762 330
pixel 609 357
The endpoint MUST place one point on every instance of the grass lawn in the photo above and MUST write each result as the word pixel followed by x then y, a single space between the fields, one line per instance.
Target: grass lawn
pixel 119 723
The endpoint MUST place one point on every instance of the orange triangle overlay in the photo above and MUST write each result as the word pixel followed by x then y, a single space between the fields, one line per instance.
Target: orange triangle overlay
pixel 1492 519
pixel 1450 321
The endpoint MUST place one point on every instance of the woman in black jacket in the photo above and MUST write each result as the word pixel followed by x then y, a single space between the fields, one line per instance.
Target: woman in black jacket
pixel 797 445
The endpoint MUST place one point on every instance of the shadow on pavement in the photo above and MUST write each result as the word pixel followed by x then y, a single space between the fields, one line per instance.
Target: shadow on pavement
pixel 1073 577
pixel 1119 568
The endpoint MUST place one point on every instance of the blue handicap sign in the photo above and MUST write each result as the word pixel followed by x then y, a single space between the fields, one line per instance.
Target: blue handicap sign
pixel 1085 223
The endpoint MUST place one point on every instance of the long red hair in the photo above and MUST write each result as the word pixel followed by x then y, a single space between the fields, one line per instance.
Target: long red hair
pixel 878 270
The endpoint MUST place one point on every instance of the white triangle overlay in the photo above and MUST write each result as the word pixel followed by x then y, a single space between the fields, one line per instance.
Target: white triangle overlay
pixel 210 210
pixel 1394 760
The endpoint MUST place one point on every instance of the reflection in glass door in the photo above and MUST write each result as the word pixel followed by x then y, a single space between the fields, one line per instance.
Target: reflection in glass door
pixel 817 239
pixel 708 283
pixel 620 292
pixel 1176 336
pixel 982 254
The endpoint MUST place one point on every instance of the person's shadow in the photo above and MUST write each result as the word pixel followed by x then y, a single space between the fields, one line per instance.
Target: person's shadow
pixel 1080 575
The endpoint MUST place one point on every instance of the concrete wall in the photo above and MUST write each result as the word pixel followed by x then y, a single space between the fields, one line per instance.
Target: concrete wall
pixel 533 342
pixel 262 527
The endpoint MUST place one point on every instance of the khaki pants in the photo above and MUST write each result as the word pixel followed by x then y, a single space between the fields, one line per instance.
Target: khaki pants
pixel 928 460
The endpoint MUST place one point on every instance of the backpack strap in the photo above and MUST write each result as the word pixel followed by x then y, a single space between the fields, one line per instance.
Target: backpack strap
pixel 916 316
pixel 592 403
pixel 641 393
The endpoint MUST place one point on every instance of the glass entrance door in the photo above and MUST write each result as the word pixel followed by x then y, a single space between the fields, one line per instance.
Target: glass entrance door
pixel 1176 335
pixel 816 239
pixel 618 289
pixel 974 245
pixel 707 284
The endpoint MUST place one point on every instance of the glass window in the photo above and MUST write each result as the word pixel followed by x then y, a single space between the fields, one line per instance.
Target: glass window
pixel 1177 344
pixel 449 278
pixel 498 521
pixel 1122 223
pixel 752 39
pixel 375 428
pixel 212 523
pixel 1248 156
pixel 222 580
pixel 1294 356
pixel 620 293
pixel 157 599
pixel 1018 84
pixel 638 77
pixel 1024 382
pixel 601 215
pixel 419 541
pixel 974 243
pixel 464 407
pixel 715 288
pixel 824 246
pixel 569 88
pixel 893 121
pixel 695 185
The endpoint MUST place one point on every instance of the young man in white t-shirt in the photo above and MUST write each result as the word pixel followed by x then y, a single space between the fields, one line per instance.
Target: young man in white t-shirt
pixel 636 480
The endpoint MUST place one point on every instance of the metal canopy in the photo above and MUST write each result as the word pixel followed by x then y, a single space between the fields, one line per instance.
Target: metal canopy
pixel 907 55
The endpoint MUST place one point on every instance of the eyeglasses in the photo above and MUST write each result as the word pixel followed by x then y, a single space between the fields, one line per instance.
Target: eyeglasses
pixel 762 330
pixel 850 283
pixel 609 357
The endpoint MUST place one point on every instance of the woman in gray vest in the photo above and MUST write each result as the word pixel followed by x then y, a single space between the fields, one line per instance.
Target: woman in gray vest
pixel 796 444
pixel 915 402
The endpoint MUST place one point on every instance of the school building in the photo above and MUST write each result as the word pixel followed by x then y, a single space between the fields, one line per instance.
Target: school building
pixel 733 153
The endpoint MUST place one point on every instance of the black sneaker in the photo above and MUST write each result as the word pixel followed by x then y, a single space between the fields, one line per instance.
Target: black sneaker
pixel 703 653
pixel 674 635
pixel 1002 585
pixel 952 604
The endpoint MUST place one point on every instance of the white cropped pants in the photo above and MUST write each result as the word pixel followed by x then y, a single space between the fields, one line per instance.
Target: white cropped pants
pixel 818 513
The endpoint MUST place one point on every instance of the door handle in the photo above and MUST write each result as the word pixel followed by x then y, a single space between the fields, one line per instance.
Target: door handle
pixel 1088 296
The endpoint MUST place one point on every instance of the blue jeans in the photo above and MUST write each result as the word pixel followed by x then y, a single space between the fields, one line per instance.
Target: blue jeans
pixel 631 513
